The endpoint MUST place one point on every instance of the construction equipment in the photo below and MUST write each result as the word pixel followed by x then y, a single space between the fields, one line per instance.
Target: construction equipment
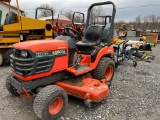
pixel 78 26
pixel 50 70
pixel 19 28
pixel 58 28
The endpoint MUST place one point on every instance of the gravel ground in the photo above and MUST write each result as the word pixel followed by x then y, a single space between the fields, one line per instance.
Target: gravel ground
pixel 134 95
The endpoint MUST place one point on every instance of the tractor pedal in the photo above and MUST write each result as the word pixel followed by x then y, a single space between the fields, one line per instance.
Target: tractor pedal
pixel 77 60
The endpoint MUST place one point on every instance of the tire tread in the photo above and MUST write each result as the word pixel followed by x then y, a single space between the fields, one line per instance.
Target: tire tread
pixel 43 96
pixel 98 73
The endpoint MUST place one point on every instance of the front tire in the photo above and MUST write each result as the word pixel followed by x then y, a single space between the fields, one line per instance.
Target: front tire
pixel 104 69
pixel 9 87
pixel 50 102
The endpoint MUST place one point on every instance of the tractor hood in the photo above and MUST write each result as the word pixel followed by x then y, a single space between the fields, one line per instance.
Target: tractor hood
pixel 41 45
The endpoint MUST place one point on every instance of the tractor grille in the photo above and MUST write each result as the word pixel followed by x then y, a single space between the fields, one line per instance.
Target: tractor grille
pixel 44 64
pixel 30 65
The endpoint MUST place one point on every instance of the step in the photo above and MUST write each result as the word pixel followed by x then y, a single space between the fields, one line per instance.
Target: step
pixel 80 70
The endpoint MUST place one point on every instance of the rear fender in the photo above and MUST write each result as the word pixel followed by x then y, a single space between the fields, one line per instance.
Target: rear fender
pixel 106 51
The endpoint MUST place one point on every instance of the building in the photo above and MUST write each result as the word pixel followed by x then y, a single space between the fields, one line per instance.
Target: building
pixel 4 10
pixel 61 20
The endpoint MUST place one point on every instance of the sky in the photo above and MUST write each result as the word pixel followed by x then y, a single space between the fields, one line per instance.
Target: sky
pixel 126 10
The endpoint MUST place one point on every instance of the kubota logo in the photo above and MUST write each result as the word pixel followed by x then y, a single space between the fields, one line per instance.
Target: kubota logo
pixel 51 53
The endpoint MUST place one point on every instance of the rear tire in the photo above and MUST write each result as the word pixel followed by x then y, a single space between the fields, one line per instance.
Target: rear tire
pixel 7 56
pixel 50 102
pixel 1 59
pixel 9 87
pixel 104 69
pixel 54 34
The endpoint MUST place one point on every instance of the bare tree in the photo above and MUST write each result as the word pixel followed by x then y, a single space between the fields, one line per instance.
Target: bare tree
pixel 61 11
pixel 46 13
pixel 95 13
pixel 99 12
pixel 146 22
pixel 138 20
pixel 92 16
pixel 69 14
pixel 153 21
pixel 78 18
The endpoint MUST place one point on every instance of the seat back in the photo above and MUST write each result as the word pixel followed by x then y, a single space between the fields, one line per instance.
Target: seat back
pixel 10 18
pixel 93 34
pixel 106 33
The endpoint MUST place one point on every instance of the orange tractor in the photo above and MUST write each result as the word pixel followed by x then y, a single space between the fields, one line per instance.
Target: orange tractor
pixel 49 70
pixel 58 28
pixel 78 26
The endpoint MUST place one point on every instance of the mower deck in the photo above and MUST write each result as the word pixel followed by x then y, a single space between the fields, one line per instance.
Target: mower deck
pixel 85 88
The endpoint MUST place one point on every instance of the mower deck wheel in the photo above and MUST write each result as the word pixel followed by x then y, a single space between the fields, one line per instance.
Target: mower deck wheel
pixel 104 69
pixel 134 63
pixel 9 87
pixel 88 103
pixel 50 102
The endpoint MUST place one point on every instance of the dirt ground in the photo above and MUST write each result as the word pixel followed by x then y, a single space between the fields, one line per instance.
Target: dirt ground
pixel 134 95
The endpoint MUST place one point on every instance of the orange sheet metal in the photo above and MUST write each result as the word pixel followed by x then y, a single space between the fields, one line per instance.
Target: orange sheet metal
pixel 91 89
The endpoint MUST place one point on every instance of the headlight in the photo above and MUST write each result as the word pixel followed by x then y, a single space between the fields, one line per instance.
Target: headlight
pixel 24 54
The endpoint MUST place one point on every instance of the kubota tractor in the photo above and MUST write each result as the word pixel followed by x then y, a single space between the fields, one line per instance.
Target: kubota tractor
pixel 17 28
pixel 49 70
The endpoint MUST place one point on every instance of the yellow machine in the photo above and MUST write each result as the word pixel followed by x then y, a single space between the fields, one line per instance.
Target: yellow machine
pixel 19 28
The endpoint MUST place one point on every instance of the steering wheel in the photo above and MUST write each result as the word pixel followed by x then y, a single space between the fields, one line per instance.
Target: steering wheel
pixel 71 32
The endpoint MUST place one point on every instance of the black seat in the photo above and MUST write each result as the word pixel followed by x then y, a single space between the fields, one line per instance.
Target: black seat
pixel 93 36
pixel 10 19
pixel 105 33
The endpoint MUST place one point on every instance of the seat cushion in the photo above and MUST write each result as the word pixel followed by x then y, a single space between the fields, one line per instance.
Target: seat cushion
pixel 86 43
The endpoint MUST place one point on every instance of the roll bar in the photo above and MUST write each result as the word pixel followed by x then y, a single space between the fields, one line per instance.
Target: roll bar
pixel 78 13
pixel 40 8
pixel 112 18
